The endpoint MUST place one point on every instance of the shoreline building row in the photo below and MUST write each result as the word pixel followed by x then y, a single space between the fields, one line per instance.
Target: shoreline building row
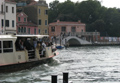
pixel 7 17
pixel 38 14
pixel 25 27
pixel 31 18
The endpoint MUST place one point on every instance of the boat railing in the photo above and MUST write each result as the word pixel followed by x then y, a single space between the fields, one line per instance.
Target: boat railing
pixel 31 54
pixel 7 49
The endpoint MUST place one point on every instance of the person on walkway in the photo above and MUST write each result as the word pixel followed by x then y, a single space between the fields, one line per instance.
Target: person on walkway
pixel 66 45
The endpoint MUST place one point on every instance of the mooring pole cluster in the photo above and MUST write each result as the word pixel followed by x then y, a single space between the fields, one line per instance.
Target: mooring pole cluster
pixel 65 78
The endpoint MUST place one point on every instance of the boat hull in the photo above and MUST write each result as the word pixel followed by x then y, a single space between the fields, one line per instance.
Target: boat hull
pixel 23 66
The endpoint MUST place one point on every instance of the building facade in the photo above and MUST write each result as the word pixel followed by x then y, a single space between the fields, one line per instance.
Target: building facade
pixel 56 28
pixel 24 26
pixel 38 14
pixel 1 15
pixel 8 17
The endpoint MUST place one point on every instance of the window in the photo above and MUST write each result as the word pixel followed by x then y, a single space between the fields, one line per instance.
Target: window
pixel 7 46
pixel 6 8
pixel 19 29
pixel 45 31
pixel 73 29
pixel 39 22
pixel 46 12
pixel 1 8
pixel 19 19
pixel 0 47
pixel 45 22
pixel 34 31
pixel 63 29
pixel 28 30
pixel 7 23
pixel 82 30
pixel 2 22
pixel 12 9
pixel 24 19
pixel 13 23
pixel 24 29
pixel 39 31
pixel 39 11
pixel 53 29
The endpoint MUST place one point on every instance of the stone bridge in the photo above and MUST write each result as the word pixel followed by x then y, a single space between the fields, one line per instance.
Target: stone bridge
pixel 75 41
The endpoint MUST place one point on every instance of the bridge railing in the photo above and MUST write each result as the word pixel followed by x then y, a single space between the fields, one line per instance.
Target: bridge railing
pixel 79 34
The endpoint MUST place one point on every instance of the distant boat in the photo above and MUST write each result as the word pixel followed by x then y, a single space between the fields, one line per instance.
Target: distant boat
pixel 12 59
pixel 59 47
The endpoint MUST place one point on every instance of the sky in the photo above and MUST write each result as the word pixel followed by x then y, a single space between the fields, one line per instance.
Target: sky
pixel 106 3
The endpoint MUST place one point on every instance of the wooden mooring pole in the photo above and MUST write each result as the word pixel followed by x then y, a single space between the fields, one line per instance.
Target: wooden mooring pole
pixel 54 79
pixel 65 77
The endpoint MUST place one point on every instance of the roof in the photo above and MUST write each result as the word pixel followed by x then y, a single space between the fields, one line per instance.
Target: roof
pixel 66 23
pixel 39 3
pixel 21 4
pixel 9 1
pixel 18 13
pixel 15 36
pixel 38 36
pixel 8 36
pixel 33 3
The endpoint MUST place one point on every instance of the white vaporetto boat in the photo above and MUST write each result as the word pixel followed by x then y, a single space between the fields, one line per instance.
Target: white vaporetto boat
pixel 12 59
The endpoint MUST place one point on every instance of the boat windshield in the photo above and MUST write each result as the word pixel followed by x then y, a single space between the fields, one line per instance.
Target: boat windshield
pixel 7 46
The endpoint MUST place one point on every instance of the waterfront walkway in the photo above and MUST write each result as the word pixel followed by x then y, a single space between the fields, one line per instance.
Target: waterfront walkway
pixel 75 39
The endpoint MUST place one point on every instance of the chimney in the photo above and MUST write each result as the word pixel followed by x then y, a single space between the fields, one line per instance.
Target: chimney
pixel 58 20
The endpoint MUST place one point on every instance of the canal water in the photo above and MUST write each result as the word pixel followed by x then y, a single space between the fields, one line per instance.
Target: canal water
pixel 85 65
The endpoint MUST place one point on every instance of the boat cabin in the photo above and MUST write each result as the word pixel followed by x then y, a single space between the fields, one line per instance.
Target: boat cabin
pixel 9 54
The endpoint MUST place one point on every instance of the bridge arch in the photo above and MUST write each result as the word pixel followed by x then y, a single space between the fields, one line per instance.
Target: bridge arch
pixel 75 41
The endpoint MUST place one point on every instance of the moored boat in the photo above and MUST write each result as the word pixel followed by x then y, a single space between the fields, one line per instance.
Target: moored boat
pixel 14 59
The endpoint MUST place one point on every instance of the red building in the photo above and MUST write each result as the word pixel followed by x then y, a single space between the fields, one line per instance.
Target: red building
pixel 24 26
pixel 56 28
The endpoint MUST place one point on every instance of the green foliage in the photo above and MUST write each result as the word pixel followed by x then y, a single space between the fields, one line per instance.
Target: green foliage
pixel 96 17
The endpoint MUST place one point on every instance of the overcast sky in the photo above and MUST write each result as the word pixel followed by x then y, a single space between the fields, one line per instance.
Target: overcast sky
pixel 106 3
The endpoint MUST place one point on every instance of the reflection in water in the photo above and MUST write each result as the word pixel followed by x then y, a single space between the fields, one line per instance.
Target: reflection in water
pixel 84 64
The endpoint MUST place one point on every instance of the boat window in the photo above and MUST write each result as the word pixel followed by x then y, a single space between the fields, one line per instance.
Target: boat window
pixel 7 46
pixel 0 47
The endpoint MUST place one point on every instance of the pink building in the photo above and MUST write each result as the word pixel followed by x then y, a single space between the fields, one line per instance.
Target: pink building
pixel 23 26
pixel 56 28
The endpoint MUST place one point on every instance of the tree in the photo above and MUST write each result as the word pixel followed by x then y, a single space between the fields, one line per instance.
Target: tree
pixel 53 11
pixel 91 12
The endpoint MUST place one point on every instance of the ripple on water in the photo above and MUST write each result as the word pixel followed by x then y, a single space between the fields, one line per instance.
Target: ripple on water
pixel 84 64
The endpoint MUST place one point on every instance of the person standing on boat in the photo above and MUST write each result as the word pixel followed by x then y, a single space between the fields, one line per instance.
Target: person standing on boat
pixel 34 43
pixel 27 44
pixel 52 38
pixel 18 44
pixel 21 46
pixel 43 48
